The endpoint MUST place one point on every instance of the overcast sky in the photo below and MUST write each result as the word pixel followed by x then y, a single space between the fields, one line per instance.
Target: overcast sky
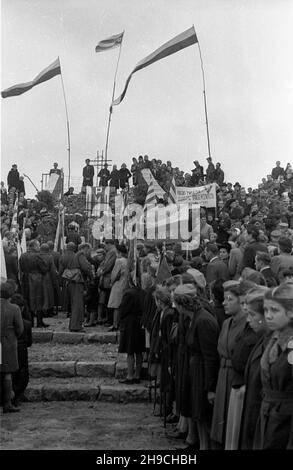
pixel 247 52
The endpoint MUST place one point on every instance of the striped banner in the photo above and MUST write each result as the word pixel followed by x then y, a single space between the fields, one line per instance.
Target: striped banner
pixel 46 74
pixel 3 272
pixel 110 43
pixel 14 217
pixel 185 39
pixel 172 199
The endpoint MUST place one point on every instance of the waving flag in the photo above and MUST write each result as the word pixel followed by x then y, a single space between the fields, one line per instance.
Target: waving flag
pixel 110 43
pixel 46 74
pixel 185 39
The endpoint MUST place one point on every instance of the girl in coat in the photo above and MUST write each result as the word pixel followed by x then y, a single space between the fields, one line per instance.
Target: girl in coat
pixel 200 362
pixel 253 386
pixel 132 337
pixel 11 329
pixel 275 421
pixel 232 327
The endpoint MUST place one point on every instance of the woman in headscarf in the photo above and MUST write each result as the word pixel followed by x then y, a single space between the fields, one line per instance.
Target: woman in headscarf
pixel 253 386
pixel 199 363
pixel 274 428
pixel 233 304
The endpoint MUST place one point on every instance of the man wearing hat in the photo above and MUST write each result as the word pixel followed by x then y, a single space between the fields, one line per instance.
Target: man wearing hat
pixel 210 173
pixel 285 259
pixel 197 173
pixel 88 174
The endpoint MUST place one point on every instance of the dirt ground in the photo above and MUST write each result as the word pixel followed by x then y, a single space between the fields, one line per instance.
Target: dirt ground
pixel 83 426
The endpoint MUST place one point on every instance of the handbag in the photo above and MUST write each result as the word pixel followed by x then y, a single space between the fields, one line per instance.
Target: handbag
pixel 73 274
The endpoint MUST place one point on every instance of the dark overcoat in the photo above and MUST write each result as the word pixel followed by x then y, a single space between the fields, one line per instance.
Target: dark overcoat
pixel 230 330
pixel 166 353
pixel 48 282
pixel 132 335
pixel 202 341
pixel 20 378
pixel 11 329
pixel 253 395
pixel 33 266
pixel 274 427
pixel 182 375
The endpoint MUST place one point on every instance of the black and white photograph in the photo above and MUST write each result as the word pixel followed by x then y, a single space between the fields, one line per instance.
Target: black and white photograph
pixel 146 230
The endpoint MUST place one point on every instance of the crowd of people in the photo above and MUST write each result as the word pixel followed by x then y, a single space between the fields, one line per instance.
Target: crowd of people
pixel 215 324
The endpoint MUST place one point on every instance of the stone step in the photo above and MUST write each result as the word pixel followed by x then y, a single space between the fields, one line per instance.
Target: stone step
pixel 67 369
pixel 85 389
pixel 68 337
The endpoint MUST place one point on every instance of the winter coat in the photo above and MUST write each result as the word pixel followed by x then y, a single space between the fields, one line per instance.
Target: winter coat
pixel 230 330
pixel 11 329
pixel 253 395
pixel 119 277
pixel 274 427
pixel 33 267
pixel 202 339
pixel 132 335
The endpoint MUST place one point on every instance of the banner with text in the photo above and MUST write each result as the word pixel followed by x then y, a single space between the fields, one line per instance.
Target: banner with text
pixel 205 196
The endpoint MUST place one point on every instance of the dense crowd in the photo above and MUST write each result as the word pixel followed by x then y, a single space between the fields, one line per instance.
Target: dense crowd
pixel 215 324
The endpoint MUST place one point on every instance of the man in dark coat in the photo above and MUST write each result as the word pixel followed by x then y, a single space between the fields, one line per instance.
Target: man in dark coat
pixel 13 178
pixel 216 268
pixel 21 188
pixel 55 169
pixel 65 261
pixel 104 175
pixel 88 174
pixel 278 171
pixel 262 264
pixel 197 174
pixel 33 267
pixel 114 178
pixel 252 248
pixel 210 174
pixel 219 174
pixel 124 175
pixel 82 270
pixel 10 255
pixel 132 335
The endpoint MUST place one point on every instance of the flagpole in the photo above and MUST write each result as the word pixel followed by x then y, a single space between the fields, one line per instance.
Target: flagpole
pixel 113 95
pixel 204 97
pixel 67 123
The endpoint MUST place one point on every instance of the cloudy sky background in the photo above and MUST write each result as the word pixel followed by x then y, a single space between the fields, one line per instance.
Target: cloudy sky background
pixel 247 52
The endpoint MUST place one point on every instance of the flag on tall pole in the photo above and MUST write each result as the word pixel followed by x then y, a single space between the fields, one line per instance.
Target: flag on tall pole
pixel 110 43
pixel 185 39
pixel 49 72
pixel 172 198
pixel 106 44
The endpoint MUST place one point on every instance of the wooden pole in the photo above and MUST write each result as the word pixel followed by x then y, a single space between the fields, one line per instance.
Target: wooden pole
pixel 205 100
pixel 68 132
pixel 113 95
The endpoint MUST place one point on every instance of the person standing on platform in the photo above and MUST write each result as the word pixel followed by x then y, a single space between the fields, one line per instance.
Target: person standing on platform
pixel 88 174
pixel 55 170
pixel 104 175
